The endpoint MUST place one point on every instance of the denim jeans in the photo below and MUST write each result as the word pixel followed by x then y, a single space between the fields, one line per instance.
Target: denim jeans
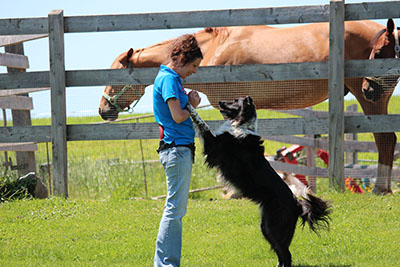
pixel 177 163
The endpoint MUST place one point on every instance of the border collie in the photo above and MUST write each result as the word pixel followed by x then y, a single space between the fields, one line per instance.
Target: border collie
pixel 237 151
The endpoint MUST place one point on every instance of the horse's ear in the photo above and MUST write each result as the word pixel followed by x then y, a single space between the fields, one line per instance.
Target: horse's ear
pixel 129 54
pixel 390 26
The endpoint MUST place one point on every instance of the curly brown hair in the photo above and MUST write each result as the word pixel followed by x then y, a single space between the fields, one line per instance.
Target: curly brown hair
pixel 187 46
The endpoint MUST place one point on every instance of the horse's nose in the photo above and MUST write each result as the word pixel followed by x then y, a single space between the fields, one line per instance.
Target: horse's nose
pixel 108 115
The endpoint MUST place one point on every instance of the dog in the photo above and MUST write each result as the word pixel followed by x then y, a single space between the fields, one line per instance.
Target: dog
pixel 237 151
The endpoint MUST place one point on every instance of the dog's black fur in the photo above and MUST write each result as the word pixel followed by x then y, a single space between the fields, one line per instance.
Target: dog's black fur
pixel 238 153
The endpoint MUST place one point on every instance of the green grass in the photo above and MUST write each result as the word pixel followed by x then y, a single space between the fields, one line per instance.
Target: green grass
pixel 56 232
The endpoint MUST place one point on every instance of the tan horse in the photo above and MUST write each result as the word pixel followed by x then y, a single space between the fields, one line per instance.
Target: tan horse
pixel 267 45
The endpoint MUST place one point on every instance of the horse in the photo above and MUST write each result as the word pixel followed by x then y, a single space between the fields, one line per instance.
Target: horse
pixel 379 90
pixel 270 45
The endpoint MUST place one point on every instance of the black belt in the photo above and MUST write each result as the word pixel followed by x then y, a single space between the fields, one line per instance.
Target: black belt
pixel 164 146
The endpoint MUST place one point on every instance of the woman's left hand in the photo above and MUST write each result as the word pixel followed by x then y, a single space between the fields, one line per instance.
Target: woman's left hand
pixel 194 98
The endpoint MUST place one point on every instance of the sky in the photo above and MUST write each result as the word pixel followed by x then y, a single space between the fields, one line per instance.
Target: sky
pixel 98 50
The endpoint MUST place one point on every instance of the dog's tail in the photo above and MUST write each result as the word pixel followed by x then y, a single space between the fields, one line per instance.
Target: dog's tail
pixel 316 211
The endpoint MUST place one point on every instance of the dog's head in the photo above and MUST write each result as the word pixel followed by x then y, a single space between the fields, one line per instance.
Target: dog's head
pixel 241 112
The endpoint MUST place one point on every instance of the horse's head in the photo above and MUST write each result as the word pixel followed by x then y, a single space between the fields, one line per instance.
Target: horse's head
pixel 117 98
pixel 386 45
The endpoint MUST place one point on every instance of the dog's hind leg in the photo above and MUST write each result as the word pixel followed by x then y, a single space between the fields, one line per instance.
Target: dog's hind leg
pixel 279 233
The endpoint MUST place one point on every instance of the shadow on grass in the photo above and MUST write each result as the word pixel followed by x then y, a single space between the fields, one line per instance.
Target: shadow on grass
pixel 329 265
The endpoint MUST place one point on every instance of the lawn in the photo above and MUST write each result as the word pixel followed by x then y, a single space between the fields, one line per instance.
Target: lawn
pixel 57 232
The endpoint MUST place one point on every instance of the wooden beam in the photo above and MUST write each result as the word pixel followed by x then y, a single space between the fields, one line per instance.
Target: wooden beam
pixel 149 130
pixel 232 73
pixel 16 39
pixel 336 95
pixel 215 18
pixel 354 171
pixel 16 102
pixel 14 61
pixel 11 92
pixel 26 146
pixel 58 103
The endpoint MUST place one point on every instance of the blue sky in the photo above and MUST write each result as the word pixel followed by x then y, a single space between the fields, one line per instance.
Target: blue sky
pixel 98 50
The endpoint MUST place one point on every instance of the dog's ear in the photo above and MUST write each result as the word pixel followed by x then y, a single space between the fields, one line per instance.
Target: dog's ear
pixel 248 100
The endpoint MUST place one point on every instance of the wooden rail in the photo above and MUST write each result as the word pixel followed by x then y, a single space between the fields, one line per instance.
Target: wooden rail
pixel 235 73
pixel 175 20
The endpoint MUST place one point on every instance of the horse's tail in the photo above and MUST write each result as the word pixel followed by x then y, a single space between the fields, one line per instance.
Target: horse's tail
pixel 316 211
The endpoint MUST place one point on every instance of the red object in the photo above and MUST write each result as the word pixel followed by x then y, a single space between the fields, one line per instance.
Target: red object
pixel 352 185
pixel 289 157
pixel 324 155
pixel 161 132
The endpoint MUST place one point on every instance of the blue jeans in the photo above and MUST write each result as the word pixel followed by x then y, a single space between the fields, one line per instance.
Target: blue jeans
pixel 177 163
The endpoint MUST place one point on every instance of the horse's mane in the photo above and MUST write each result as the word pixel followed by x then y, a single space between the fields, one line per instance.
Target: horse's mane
pixel 216 30
pixel 222 32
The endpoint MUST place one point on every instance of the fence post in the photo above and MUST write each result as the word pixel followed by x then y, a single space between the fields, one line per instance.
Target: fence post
pixel 336 95
pixel 58 104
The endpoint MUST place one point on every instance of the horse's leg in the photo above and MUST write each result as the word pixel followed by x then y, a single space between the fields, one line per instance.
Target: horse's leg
pixel 385 142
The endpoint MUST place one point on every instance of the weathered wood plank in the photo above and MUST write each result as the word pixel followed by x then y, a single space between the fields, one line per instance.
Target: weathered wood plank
pixel 349 146
pixel 261 72
pixel 14 61
pixel 354 171
pixel 314 113
pixel 379 123
pixel 16 102
pixel 227 17
pixel 35 134
pixel 27 146
pixel 336 94
pixel 373 10
pixel 16 39
pixel 11 92
pixel 271 129
pixel 58 103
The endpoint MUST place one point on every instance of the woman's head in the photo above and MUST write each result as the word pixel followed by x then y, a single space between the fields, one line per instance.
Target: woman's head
pixel 185 50
pixel 185 55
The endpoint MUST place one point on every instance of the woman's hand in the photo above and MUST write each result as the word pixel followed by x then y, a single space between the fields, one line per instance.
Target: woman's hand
pixel 194 98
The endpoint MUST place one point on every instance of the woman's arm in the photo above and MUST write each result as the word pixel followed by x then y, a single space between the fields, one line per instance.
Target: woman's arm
pixel 179 115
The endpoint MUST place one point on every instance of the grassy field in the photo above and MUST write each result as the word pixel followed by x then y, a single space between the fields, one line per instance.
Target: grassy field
pixel 56 232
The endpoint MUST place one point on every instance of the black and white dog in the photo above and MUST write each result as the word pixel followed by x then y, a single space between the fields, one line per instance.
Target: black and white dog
pixel 237 151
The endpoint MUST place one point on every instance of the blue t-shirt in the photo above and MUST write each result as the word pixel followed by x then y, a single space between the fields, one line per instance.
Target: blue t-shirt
pixel 168 84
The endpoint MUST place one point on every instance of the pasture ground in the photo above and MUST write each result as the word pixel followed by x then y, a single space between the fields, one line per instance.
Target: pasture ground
pixel 57 232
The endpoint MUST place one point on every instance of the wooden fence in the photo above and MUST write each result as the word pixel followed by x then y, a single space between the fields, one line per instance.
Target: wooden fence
pixel 56 25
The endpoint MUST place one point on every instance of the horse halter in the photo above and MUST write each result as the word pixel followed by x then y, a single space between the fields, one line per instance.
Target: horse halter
pixel 113 99
pixel 379 80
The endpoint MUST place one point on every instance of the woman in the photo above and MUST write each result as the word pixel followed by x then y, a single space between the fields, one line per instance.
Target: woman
pixel 176 148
